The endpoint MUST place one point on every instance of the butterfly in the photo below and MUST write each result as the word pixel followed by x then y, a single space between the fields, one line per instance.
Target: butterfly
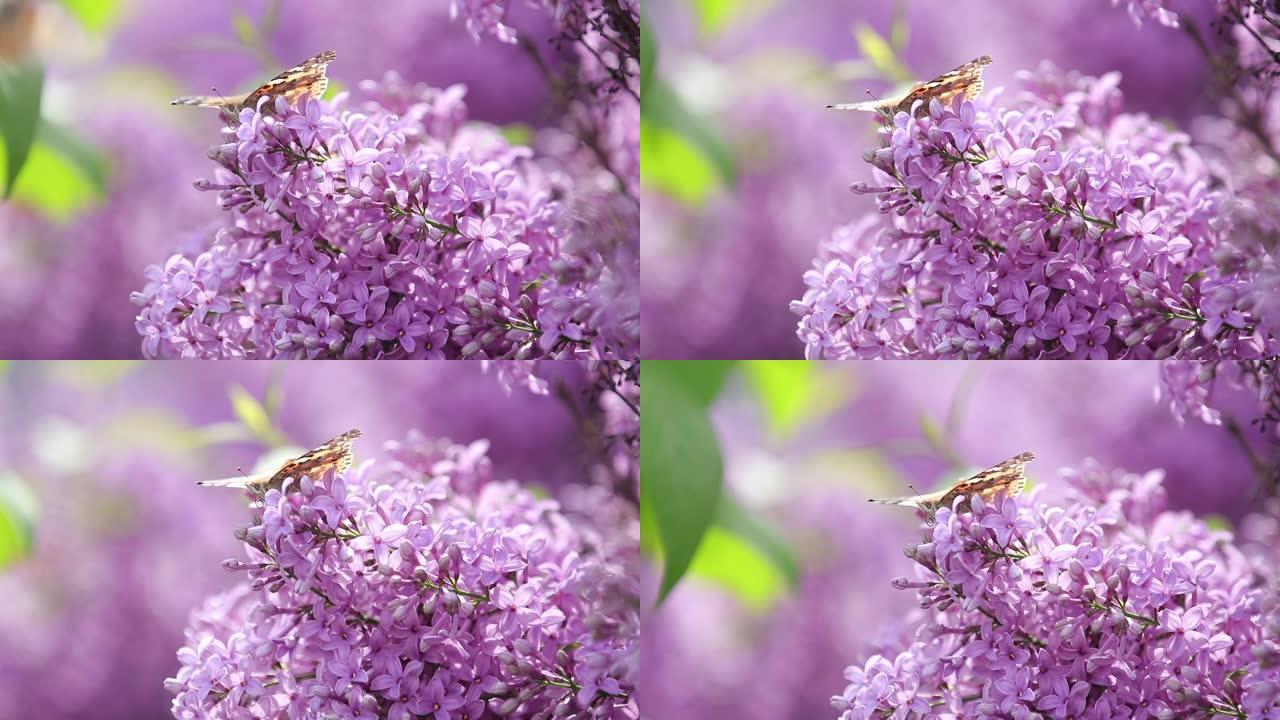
pixel 1008 479
pixel 306 79
pixel 965 80
pixel 334 455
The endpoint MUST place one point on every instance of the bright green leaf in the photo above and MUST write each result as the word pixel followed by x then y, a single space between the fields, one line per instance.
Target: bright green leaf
pixel 698 380
pixel 664 109
pixel 254 415
pixel 1216 522
pixel 795 392
pixel 648 53
pixel 85 159
pixel 729 560
pixel 758 535
pixel 21 87
pixel 95 15
pixel 518 133
pixel 670 164
pixel 683 470
pixel 17 519
pixel 53 184
pixel 245 29
pixel 880 52
pixel 334 88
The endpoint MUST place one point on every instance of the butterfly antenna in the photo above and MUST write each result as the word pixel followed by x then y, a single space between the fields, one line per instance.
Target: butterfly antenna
pixel 913 489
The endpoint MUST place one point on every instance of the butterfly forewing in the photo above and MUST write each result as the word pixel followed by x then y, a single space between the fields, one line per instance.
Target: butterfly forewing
pixel 307 79
pixel 334 455
pixel 965 80
pixel 1008 479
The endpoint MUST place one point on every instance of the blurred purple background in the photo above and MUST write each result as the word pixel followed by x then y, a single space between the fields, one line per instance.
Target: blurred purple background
pixel 717 277
pixel 125 543
pixel 710 656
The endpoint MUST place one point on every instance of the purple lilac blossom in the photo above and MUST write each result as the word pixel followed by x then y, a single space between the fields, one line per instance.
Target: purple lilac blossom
pixel 1101 605
pixel 411 586
pixel 394 231
pixel 1053 226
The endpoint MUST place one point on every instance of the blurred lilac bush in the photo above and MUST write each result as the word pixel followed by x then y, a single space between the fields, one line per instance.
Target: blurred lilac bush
pixel 1105 605
pixel 1052 226
pixel 409 587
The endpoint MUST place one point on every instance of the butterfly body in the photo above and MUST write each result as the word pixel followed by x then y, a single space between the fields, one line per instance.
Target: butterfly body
pixel 308 79
pixel 965 81
pixel 333 455
pixel 1008 479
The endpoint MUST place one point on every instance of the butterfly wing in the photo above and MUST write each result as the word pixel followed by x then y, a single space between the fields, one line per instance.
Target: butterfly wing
pixel 1008 478
pixel 333 455
pixel 965 79
pixel 307 79
pixel 243 481
pixel 877 106
pixel 918 501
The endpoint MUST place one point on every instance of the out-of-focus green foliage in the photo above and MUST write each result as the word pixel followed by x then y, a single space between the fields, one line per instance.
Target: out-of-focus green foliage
pixel 21 88
pixel 681 466
pixel 62 173
pixel 795 393
pixel 685 516
pixel 95 15
pixel 255 415
pixel 17 519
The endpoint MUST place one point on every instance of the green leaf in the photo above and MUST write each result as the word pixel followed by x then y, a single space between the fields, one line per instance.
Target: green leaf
pixel 682 467
pixel 1216 522
pixel 664 109
pixel 254 415
pixel 698 380
pixel 730 561
pixel 672 165
pixel 760 536
pixel 95 15
pixel 245 29
pixel 648 53
pixel 18 510
pixel 334 88
pixel 21 87
pixel 53 184
pixel 85 159
pixel 794 393
pixel 880 52
pixel 518 133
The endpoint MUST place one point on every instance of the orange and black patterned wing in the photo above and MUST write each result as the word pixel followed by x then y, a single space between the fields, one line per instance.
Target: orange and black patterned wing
pixel 1008 479
pixel 965 80
pixel 307 79
pixel 333 455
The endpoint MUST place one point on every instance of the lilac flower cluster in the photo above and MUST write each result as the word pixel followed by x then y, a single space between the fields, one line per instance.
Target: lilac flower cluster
pixel 1188 387
pixel 415 586
pixel 389 231
pixel 1053 226
pixel 1101 606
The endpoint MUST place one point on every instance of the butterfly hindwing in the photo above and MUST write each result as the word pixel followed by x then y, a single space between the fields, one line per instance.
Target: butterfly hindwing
pixel 1008 479
pixel 964 80
pixel 334 455
pixel 306 79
